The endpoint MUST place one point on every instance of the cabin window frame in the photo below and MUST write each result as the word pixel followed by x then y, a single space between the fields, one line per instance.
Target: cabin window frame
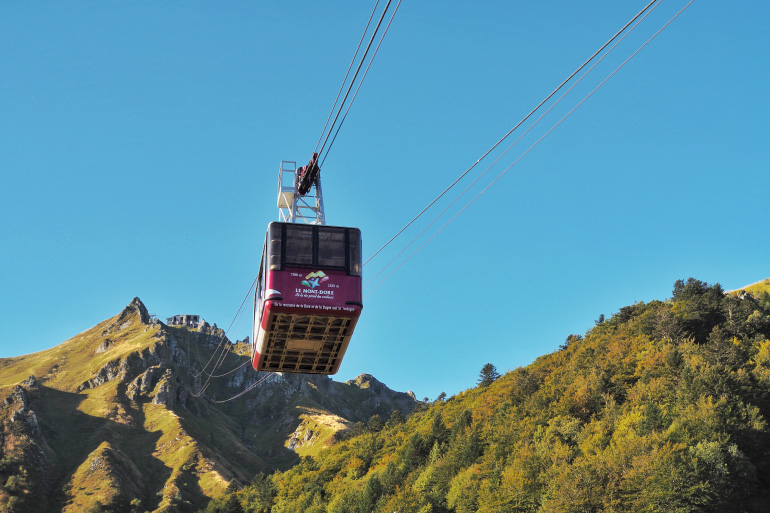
pixel 277 251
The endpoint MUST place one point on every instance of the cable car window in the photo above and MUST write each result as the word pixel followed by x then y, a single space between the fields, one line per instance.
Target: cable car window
pixel 355 252
pixel 331 247
pixel 274 246
pixel 299 245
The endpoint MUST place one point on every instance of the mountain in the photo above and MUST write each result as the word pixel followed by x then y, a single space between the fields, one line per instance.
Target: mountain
pixel 124 417
pixel 662 407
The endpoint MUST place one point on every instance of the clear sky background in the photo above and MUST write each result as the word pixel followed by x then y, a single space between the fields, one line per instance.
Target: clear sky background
pixel 140 144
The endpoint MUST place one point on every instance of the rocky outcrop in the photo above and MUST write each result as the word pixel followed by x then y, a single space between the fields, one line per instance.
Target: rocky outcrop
pixel 144 384
pixel 301 438
pixel 18 395
pixel 28 462
pixel 27 417
pixel 106 373
pixel 159 383
pixel 169 392
pixel 314 429
pixel 312 410
pixel 105 345
pixel 215 334
pixel 21 414
pixel 108 474
pixel 165 350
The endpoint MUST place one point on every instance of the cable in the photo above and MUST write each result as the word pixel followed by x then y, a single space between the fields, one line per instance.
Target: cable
pixel 535 144
pixel 229 350
pixel 361 81
pixel 236 396
pixel 223 354
pixel 511 131
pixel 368 47
pixel 224 333
pixel 231 371
pixel 553 105
pixel 344 81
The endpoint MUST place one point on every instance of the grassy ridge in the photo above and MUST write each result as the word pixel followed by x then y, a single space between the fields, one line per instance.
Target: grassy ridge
pixel 106 449
pixel 759 287
pixel 125 417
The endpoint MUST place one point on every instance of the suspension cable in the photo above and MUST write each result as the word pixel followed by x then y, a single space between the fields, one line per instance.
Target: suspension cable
pixel 230 350
pixel 224 333
pixel 344 81
pixel 536 122
pixel 223 353
pixel 511 130
pixel 242 392
pixel 535 144
pixel 358 69
pixel 221 360
pixel 363 77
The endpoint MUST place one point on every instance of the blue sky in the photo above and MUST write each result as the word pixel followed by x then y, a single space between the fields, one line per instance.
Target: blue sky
pixel 140 144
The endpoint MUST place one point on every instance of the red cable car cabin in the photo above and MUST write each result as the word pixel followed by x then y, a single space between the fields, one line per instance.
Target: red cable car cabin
pixel 308 298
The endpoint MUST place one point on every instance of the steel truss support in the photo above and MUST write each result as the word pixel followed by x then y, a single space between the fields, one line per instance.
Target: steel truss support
pixel 294 207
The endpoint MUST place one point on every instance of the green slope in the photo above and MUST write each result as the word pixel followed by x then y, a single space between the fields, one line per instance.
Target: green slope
pixel 758 288
pixel 663 407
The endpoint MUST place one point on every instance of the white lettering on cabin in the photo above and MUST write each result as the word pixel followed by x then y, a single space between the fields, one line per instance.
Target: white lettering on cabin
pixel 314 294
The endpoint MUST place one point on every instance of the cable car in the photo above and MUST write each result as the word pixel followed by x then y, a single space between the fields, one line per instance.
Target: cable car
pixel 308 297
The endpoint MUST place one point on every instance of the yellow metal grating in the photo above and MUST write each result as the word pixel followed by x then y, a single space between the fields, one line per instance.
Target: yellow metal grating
pixel 310 344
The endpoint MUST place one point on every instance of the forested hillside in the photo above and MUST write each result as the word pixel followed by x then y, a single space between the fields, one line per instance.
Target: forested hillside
pixel 661 407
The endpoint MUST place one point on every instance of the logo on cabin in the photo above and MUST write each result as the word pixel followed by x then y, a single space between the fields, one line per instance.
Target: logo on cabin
pixel 314 280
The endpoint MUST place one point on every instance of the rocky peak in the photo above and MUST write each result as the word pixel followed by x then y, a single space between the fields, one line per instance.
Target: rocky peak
pixel 368 381
pixel 135 307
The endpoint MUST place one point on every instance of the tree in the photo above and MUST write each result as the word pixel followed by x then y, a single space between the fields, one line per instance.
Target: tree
pixel 438 429
pixel 357 429
pixel 232 505
pixel 698 307
pixel 570 339
pixel 396 417
pixel 260 496
pixel 375 423
pixel 98 507
pixel 488 375
pixel 764 301
pixel 371 494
